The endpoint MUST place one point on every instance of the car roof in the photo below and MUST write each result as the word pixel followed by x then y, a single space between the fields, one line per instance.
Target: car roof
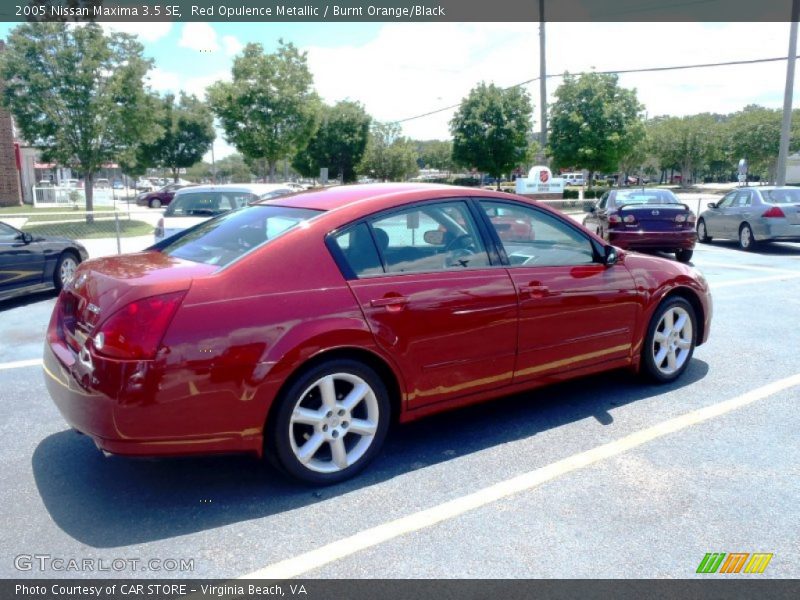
pixel 253 188
pixel 376 195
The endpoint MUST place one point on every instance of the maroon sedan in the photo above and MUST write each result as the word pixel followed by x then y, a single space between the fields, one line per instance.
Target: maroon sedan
pixel 160 197
pixel 300 327
pixel 643 219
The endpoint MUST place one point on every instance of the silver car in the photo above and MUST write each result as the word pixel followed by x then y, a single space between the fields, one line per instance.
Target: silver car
pixel 752 215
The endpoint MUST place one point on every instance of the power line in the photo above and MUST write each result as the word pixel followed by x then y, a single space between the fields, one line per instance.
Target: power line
pixel 614 72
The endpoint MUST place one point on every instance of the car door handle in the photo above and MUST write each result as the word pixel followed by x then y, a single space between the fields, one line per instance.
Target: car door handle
pixel 390 303
pixel 537 291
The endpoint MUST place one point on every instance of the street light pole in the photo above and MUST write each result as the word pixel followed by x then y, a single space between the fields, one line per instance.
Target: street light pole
pixel 542 77
pixel 786 123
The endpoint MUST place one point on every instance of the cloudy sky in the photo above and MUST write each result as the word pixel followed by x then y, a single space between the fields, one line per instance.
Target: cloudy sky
pixel 400 70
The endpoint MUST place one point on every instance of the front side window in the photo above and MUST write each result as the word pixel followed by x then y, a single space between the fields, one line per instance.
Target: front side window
pixel 8 233
pixel 534 238
pixel 727 200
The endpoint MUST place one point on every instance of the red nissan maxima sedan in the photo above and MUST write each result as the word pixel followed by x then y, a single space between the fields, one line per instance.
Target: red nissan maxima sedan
pixel 302 326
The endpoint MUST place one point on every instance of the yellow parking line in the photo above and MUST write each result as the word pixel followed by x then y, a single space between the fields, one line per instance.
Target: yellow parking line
pixel 373 536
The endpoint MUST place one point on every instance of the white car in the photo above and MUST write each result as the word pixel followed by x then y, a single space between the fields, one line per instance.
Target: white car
pixel 193 205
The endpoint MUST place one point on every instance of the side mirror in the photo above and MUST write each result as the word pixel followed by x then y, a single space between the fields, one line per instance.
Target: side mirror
pixel 25 237
pixel 434 237
pixel 611 256
pixel 712 205
pixel 590 208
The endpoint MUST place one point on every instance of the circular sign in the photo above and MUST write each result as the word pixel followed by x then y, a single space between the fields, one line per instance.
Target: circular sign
pixel 544 176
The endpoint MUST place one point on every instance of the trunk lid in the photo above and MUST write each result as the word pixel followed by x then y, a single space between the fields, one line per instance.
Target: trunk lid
pixel 104 285
pixel 656 217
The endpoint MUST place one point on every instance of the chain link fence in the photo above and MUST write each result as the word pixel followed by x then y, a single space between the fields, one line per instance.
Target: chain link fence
pixel 103 231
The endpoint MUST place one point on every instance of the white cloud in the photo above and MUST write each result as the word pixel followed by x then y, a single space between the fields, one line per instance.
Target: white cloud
pixel 199 36
pixel 148 32
pixel 410 69
pixel 231 44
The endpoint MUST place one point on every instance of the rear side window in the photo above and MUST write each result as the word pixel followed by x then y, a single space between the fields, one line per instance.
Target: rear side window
pixel 222 240
pixel 358 249
pixel 207 204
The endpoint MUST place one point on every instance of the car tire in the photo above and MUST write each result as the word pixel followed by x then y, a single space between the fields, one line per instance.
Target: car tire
pixel 65 269
pixel 747 240
pixel 342 437
pixel 684 255
pixel 155 203
pixel 670 341
pixel 702 233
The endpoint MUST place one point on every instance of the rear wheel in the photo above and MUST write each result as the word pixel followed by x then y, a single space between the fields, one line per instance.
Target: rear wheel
pixel 747 241
pixel 670 341
pixel 702 233
pixel 155 203
pixel 684 256
pixel 65 269
pixel 331 422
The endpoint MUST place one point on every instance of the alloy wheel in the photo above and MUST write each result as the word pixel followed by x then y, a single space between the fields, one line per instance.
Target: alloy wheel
pixel 673 340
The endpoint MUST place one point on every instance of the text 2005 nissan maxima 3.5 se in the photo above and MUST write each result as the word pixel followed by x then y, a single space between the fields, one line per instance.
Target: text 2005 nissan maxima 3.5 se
pixel 300 327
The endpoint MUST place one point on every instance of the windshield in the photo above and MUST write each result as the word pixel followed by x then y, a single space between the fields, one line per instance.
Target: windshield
pixel 207 204
pixel 629 197
pixel 783 196
pixel 226 238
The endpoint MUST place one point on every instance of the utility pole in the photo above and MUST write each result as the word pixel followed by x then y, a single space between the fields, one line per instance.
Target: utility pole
pixel 786 123
pixel 543 77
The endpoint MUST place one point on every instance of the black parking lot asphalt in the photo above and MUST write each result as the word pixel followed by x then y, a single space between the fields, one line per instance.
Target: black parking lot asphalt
pixel 525 486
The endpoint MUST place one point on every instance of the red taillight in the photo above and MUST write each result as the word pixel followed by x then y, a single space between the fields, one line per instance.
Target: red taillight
pixel 774 213
pixel 135 331
pixel 687 218
pixel 614 220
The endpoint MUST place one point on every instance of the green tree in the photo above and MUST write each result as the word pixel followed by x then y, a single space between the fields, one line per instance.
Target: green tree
pixel 269 110
pixel 338 144
pixel 388 156
pixel 490 129
pixel 435 154
pixel 688 143
pixel 78 94
pixel 234 168
pixel 187 132
pixel 594 123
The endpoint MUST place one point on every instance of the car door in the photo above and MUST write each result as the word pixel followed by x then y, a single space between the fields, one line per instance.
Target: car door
pixel 718 219
pixel 434 299
pixel 741 211
pixel 574 310
pixel 21 262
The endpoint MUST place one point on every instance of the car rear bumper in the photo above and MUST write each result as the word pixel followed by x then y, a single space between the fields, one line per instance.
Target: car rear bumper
pixel 653 240
pixel 778 231
pixel 127 421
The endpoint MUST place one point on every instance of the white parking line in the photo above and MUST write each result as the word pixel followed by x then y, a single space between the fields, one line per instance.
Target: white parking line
pixel 752 281
pixel 18 364
pixel 747 267
pixel 303 563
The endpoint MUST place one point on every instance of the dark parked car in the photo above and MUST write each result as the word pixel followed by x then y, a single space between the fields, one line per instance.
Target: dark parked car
pixel 161 197
pixel 642 219
pixel 33 263
pixel 752 215
pixel 303 325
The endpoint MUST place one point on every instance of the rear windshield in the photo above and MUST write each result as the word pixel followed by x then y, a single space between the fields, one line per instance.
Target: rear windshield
pixel 207 204
pixel 226 238
pixel 645 197
pixel 782 196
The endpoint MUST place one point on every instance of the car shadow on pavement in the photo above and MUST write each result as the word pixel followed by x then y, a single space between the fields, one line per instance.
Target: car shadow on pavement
pixel 27 300
pixel 113 502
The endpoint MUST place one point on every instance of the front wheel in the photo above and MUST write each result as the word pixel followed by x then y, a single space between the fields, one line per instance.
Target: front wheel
pixel 155 203
pixel 670 341
pixel 702 232
pixel 331 422
pixel 684 255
